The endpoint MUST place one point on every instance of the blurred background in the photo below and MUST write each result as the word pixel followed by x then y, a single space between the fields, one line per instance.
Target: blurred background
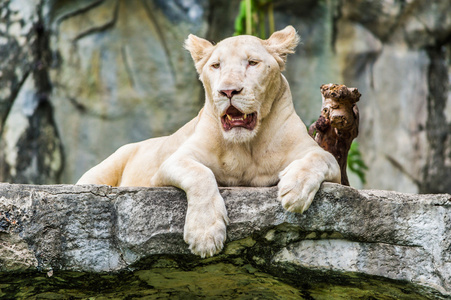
pixel 78 79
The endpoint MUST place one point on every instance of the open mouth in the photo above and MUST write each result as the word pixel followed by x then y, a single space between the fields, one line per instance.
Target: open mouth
pixel 235 118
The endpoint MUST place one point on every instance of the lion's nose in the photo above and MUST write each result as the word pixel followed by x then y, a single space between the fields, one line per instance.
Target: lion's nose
pixel 230 93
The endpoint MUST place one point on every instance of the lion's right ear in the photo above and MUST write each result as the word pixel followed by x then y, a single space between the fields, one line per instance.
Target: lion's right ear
pixel 281 43
pixel 200 50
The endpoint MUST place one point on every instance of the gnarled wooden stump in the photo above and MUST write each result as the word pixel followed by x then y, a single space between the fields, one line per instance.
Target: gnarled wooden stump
pixel 338 124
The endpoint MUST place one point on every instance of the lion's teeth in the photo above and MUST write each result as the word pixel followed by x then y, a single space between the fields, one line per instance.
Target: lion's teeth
pixel 236 118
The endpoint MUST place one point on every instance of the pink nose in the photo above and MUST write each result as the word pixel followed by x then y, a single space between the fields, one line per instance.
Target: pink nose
pixel 230 93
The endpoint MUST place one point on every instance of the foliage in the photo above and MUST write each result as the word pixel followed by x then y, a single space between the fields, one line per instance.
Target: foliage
pixel 356 163
pixel 254 17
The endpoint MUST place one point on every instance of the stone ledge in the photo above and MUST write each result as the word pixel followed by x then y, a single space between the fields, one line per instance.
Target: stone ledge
pixel 345 232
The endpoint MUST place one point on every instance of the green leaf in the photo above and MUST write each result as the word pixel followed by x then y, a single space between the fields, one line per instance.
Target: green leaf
pixel 355 162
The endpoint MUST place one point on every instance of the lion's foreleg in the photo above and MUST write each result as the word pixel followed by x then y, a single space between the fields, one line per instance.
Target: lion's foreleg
pixel 206 217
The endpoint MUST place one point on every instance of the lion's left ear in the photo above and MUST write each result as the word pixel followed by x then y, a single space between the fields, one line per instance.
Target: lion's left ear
pixel 281 43
pixel 200 50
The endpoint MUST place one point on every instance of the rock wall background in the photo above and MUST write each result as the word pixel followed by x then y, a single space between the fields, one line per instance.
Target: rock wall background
pixel 80 78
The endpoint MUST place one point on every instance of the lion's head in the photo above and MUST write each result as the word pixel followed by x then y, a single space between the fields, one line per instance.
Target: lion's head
pixel 241 76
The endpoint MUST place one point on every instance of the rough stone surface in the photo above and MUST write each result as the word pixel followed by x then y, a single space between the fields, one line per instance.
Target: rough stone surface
pixel 117 73
pixel 30 147
pixel 346 235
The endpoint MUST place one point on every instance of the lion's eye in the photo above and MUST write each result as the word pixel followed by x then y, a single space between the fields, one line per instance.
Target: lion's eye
pixel 215 66
pixel 253 63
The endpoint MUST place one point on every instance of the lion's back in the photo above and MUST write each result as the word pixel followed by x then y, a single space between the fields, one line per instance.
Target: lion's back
pixel 134 164
pixel 146 157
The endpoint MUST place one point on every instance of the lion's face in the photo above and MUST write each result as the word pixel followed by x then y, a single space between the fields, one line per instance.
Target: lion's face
pixel 241 77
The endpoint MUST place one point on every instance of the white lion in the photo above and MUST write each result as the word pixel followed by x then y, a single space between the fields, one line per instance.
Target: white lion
pixel 247 134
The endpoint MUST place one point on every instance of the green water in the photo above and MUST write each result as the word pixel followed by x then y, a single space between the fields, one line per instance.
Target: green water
pixel 215 281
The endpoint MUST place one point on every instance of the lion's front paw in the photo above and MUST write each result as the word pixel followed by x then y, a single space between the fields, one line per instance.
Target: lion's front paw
pixel 205 229
pixel 297 188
